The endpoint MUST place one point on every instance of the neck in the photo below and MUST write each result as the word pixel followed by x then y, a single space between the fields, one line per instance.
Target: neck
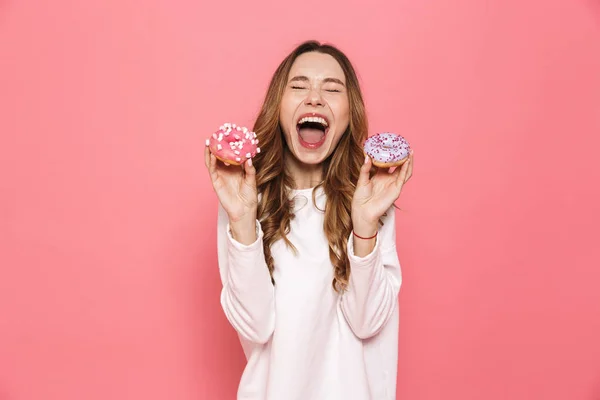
pixel 305 176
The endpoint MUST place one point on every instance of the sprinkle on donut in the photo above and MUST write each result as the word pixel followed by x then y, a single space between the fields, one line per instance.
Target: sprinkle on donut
pixel 387 149
pixel 233 144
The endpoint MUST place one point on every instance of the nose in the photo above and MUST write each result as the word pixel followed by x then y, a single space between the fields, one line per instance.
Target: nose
pixel 314 98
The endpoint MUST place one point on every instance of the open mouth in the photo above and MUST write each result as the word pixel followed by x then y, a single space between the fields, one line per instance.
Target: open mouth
pixel 312 130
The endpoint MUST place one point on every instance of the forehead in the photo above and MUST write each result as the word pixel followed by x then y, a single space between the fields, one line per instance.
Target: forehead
pixel 317 66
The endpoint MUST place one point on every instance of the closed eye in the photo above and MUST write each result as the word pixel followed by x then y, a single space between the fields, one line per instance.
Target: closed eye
pixel 297 87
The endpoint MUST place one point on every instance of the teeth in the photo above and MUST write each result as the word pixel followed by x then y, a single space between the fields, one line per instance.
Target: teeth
pixel 314 119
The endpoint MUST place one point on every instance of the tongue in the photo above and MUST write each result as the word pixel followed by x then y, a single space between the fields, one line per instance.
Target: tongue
pixel 310 135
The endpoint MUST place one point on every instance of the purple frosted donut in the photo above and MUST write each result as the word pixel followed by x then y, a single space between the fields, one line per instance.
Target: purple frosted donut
pixel 387 149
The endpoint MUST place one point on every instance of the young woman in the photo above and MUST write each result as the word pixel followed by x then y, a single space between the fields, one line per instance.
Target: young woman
pixel 307 242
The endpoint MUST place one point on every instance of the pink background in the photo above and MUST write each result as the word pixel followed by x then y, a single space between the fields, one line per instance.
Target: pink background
pixel 109 287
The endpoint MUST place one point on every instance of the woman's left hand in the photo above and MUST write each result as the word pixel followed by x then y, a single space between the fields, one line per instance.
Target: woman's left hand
pixel 373 196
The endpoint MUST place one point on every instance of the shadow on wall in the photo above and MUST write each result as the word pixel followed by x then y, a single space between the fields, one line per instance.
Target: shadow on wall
pixel 594 6
pixel 3 11
pixel 219 349
pixel 596 390
pixel 216 359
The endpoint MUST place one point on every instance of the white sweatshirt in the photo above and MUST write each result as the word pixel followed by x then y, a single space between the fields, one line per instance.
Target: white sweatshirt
pixel 302 340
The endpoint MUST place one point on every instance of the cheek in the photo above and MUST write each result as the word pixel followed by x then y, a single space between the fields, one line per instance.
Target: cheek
pixel 341 109
pixel 345 106
pixel 285 118
pixel 286 113
pixel 338 136
pixel 343 115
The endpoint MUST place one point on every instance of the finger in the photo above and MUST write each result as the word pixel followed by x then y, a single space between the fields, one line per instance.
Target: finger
pixel 392 196
pixel 363 177
pixel 401 173
pixel 410 166
pixel 250 175
pixel 212 169
pixel 206 157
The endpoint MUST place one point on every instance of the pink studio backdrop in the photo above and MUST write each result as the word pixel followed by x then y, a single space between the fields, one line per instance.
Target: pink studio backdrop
pixel 109 287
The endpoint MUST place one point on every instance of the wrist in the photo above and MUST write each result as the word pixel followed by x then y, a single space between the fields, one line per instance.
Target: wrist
pixel 356 235
pixel 243 217
pixel 364 239
pixel 243 229
pixel 364 229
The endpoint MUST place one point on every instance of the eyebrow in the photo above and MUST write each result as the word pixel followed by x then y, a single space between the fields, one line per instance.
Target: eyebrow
pixel 305 79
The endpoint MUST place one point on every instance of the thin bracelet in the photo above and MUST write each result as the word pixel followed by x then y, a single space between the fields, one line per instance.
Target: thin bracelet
pixel 364 238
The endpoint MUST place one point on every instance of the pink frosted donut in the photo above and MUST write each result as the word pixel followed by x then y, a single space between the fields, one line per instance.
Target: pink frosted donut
pixel 387 149
pixel 233 144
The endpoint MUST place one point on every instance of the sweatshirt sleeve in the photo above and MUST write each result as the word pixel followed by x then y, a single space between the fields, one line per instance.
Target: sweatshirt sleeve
pixel 248 295
pixel 372 293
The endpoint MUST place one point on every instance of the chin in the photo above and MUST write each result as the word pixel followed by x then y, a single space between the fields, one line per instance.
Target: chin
pixel 311 156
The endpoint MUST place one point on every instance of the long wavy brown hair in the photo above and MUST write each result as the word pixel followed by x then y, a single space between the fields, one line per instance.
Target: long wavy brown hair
pixel 340 169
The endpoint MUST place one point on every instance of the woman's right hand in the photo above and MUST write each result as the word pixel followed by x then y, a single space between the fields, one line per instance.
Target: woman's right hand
pixel 235 187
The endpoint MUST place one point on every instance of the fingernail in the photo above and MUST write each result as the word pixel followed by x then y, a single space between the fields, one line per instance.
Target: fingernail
pixel 249 162
pixel 366 159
